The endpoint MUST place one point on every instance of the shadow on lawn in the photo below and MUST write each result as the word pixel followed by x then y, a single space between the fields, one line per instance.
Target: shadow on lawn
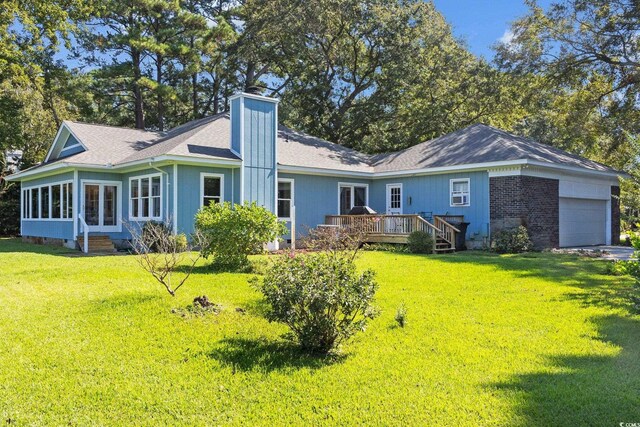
pixel 584 390
pixel 580 389
pixel 13 245
pixel 589 275
pixel 123 301
pixel 264 355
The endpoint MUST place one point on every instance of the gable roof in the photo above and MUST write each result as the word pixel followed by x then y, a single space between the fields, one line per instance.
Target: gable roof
pixel 208 138
pixel 478 144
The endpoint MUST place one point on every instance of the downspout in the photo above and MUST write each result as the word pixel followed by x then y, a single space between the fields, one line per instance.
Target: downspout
pixel 168 187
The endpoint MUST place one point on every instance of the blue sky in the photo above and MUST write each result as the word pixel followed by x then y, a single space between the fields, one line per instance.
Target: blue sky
pixel 481 23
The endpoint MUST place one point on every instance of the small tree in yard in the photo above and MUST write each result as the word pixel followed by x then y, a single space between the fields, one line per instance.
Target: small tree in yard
pixel 234 232
pixel 161 253
pixel 321 297
pixel 337 240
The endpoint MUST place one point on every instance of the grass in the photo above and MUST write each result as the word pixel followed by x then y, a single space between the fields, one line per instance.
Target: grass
pixel 534 339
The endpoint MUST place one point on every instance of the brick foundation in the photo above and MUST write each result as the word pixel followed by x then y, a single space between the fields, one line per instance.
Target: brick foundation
pixel 529 201
pixel 615 215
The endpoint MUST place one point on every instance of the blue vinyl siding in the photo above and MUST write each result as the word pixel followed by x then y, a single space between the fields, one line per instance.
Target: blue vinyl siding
pixel 167 194
pixel 315 197
pixel 235 126
pixel 56 229
pixel 430 193
pixel 259 154
pixel 189 191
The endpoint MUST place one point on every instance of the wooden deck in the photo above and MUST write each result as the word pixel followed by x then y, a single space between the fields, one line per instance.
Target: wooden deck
pixel 396 228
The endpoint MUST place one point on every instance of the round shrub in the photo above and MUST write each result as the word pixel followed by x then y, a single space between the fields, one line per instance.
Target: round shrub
pixel 235 231
pixel 321 297
pixel 420 242
pixel 512 241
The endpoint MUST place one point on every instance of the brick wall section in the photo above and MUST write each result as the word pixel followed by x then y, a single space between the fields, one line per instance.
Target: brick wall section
pixel 615 215
pixel 529 201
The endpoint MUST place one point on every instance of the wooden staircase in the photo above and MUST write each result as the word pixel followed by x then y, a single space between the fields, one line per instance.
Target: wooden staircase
pixel 98 244
pixel 443 246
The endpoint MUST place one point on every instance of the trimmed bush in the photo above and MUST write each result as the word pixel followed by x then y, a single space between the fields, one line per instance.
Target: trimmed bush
pixel 234 232
pixel 420 242
pixel 321 297
pixel 512 241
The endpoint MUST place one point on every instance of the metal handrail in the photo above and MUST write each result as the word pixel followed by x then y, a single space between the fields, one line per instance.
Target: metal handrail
pixel 85 230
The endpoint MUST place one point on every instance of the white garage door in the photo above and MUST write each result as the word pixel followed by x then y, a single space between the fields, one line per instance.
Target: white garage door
pixel 582 222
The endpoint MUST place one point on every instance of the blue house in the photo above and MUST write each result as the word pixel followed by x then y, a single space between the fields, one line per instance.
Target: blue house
pixel 96 177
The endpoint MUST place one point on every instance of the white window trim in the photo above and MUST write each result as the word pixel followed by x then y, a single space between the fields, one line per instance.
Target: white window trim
pixel 204 175
pixel 101 183
pixel 458 180
pixel 29 207
pixel 145 218
pixel 291 201
pixel 352 184
pixel 388 194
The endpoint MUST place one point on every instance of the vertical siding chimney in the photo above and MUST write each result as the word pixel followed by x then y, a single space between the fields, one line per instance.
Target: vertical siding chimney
pixel 254 127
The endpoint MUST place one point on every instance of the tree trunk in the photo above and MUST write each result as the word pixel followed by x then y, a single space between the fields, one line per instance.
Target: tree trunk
pixel 137 90
pixel 194 96
pixel 250 76
pixel 159 60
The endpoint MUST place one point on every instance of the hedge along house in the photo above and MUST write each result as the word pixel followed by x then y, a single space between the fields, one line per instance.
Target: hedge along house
pixel 96 177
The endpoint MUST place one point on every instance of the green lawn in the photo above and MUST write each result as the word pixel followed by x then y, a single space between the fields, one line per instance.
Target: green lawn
pixel 535 340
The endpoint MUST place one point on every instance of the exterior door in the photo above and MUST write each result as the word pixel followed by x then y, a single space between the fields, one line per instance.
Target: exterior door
pixel 394 199
pixel 101 206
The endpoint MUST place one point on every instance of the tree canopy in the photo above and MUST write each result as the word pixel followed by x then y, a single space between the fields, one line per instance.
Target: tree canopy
pixel 376 75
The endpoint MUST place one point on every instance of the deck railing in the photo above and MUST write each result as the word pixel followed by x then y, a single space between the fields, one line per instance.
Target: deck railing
pixel 446 230
pixel 395 225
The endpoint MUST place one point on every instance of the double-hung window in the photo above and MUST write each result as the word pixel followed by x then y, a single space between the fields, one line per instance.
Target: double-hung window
pixel 145 197
pixel 211 187
pixel 460 192
pixel 285 198
pixel 351 195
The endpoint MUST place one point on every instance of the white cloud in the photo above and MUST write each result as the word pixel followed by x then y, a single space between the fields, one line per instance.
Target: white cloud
pixel 507 37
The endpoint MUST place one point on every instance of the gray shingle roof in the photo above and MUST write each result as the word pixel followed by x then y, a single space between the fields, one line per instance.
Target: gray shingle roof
pixel 209 138
pixel 478 144
pixel 299 149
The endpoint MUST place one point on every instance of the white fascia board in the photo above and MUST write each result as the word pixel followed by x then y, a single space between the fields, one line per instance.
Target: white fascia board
pixel 446 169
pixel 38 173
pixel 252 96
pixel 577 170
pixel 181 160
